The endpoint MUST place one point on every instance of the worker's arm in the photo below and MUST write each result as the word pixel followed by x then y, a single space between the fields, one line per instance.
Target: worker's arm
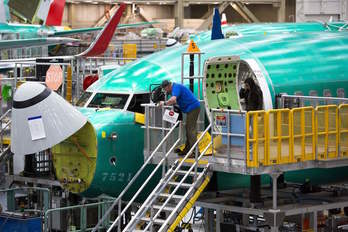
pixel 171 101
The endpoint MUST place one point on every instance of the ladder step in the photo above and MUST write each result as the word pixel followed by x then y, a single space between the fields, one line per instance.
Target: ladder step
pixel 183 185
pixel 156 221
pixel 183 173
pixel 176 197
pixel 165 208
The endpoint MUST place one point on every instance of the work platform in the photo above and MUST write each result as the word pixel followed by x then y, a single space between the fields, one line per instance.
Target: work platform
pixel 286 140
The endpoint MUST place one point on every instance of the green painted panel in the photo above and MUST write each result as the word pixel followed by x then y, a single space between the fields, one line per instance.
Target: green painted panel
pixel 228 181
pixel 220 86
pixel 74 159
pixel 127 151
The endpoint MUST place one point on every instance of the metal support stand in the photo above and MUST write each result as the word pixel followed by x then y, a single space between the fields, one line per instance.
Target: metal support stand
pixel 192 70
pixel 274 227
pixel 275 176
pixel 218 220
pixel 83 218
pixel 208 219
pixel 11 202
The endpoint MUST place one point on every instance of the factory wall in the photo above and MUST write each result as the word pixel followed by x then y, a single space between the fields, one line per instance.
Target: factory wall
pixel 87 15
pixel 321 10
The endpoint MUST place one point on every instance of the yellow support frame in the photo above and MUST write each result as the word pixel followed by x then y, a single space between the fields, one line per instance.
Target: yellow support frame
pixel 253 160
pixel 327 132
pixel 343 130
pixel 304 134
pixel 278 116
pixel 308 129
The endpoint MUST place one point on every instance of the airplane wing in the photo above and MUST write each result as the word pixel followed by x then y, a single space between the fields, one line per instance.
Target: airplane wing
pixel 91 29
pixel 21 43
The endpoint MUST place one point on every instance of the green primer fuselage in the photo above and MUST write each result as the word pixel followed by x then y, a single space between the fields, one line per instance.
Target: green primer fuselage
pixel 289 62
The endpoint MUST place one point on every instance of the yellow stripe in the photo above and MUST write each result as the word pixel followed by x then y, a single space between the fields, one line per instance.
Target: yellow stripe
pixel 139 118
pixel 192 160
pixel 189 205
pixel 6 140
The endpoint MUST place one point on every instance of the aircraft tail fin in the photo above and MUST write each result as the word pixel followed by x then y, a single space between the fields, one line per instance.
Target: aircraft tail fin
pixel 223 20
pixel 101 42
pixel 55 13
pixel 216 32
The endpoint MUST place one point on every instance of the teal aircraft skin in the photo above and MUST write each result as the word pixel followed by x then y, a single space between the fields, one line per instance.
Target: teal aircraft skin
pixel 28 31
pixel 286 63
pixel 239 30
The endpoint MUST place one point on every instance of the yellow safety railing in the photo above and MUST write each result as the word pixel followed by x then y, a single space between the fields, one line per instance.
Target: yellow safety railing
pixel 286 136
pixel 327 131
pixel 303 134
pixel 280 139
pixel 256 146
pixel 343 130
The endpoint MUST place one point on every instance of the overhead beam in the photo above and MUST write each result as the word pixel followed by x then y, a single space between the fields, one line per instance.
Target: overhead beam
pixel 71 15
pixel 179 14
pixel 104 18
pixel 209 20
pixel 245 9
pixel 172 1
pixel 281 11
pixel 144 15
pixel 241 12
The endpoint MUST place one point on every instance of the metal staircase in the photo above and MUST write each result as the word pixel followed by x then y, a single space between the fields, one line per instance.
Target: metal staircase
pixel 175 194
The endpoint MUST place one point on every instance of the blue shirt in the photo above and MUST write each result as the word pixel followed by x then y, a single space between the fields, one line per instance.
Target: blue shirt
pixel 185 98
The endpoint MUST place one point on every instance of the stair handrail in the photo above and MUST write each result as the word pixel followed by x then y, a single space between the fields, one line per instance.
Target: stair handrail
pixel 177 187
pixel 3 153
pixel 156 191
pixel 118 199
pixel 2 131
pixel 5 114
pixel 150 176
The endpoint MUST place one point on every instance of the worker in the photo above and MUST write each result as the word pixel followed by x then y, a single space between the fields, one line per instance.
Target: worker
pixel 252 95
pixel 253 101
pixel 188 104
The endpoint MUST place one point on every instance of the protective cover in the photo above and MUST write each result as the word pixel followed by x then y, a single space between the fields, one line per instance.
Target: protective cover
pixel 41 119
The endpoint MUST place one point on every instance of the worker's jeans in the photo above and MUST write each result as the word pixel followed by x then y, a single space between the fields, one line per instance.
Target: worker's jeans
pixel 191 128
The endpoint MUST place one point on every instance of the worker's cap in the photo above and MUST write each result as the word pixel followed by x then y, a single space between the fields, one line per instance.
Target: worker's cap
pixel 165 83
pixel 41 119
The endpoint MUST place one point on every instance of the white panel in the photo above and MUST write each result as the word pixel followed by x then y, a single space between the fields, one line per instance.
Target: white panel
pixel 331 7
pixel 321 7
pixel 311 6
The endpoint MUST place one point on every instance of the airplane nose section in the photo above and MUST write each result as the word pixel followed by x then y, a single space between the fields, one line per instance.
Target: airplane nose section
pixel 41 119
pixel 74 159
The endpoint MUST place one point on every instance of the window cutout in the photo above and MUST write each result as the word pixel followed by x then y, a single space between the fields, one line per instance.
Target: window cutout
pixel 340 92
pixel 218 86
pixel 313 102
pixel 327 93
pixel 137 100
pixel 313 93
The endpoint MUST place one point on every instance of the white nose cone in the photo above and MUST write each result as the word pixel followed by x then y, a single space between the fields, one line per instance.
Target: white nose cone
pixel 41 119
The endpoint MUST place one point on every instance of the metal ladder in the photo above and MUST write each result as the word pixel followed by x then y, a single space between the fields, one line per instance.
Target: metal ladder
pixel 5 150
pixel 175 194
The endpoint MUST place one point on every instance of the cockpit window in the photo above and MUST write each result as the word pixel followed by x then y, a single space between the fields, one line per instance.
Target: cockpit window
pixel 83 99
pixel 137 100
pixel 115 101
